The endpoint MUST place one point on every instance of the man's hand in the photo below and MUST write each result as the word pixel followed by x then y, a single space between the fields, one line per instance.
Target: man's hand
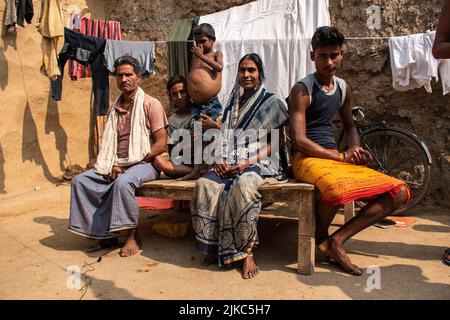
pixel 198 51
pixel 208 123
pixel 116 170
pixel 358 156
pixel 221 169
pixel 237 168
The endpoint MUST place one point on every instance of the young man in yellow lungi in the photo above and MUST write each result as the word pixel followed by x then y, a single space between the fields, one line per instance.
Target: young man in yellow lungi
pixel 339 177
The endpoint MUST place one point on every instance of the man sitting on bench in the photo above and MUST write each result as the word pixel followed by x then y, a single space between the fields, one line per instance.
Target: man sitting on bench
pixel 340 177
pixel 103 199
pixel 180 119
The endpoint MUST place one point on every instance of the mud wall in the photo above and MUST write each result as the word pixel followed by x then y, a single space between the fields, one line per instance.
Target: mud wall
pixel 366 65
pixel 367 70
pixel 39 137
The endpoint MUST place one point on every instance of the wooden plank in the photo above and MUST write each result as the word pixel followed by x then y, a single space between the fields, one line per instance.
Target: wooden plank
pixel 300 194
pixel 279 195
pixel 164 194
pixel 306 255
pixel 190 185
pixel 306 232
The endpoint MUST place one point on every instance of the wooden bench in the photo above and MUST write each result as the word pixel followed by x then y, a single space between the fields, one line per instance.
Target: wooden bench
pixel 300 195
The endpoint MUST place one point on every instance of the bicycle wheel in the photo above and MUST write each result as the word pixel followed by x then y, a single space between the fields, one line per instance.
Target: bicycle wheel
pixel 402 155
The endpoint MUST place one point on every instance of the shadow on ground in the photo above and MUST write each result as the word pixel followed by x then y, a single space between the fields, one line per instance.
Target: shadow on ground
pixel 278 249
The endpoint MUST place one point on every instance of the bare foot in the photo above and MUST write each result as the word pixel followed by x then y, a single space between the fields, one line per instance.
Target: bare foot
pixel 334 251
pixel 110 243
pixel 208 260
pixel 193 175
pixel 132 244
pixel 249 268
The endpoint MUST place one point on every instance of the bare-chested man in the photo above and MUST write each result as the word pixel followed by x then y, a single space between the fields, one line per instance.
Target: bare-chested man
pixel 204 81
pixel 441 50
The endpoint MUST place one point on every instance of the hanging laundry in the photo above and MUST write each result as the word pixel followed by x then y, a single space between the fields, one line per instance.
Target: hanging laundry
pixel 280 31
pixel 51 27
pixel 11 15
pixel 75 21
pixel 179 50
pixel 18 12
pixel 444 72
pixel 86 50
pixel 144 51
pixel 412 63
pixel 25 12
pixel 444 68
pixel 74 24
pixel 95 28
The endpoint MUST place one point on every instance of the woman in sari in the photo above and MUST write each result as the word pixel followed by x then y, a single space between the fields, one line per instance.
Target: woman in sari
pixel 226 202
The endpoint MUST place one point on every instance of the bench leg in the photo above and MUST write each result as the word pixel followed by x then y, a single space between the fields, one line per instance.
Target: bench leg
pixel 178 206
pixel 349 211
pixel 306 232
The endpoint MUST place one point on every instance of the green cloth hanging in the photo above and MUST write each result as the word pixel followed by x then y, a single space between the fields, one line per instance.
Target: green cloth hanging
pixel 179 51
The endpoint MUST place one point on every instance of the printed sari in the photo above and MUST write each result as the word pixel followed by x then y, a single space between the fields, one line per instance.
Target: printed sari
pixel 225 212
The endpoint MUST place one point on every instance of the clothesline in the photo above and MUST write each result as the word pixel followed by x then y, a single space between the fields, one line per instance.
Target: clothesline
pixel 347 38
pixel 367 38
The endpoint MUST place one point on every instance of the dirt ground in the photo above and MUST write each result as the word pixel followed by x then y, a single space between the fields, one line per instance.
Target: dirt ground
pixel 38 249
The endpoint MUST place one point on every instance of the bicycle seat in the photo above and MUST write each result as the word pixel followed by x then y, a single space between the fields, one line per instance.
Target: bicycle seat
pixel 357 113
pixel 356 109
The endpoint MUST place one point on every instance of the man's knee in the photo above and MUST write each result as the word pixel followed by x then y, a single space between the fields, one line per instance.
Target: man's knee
pixel 158 163
pixel 123 183
pixel 402 197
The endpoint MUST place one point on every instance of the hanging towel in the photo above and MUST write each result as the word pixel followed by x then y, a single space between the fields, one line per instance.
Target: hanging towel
pixel 179 50
pixel 51 27
pixel 139 145
pixel 412 63
pixel 11 13
pixel 18 12
pixel 280 31
pixel 144 51
pixel 444 72
pixel 444 68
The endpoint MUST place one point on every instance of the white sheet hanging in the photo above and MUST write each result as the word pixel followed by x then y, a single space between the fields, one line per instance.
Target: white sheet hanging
pixel 280 31
pixel 412 63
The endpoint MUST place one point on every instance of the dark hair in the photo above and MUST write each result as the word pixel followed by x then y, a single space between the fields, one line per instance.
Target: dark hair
pixel 128 60
pixel 205 29
pixel 259 64
pixel 174 80
pixel 327 36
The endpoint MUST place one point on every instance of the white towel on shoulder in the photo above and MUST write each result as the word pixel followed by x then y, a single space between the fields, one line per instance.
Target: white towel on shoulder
pixel 139 145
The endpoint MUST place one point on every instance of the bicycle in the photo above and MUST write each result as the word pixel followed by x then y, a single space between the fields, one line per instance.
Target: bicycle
pixel 396 152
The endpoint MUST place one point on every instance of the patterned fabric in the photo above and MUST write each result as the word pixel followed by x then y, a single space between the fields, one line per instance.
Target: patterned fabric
pixel 98 208
pixel 263 110
pixel 341 182
pixel 225 212
pixel 95 28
